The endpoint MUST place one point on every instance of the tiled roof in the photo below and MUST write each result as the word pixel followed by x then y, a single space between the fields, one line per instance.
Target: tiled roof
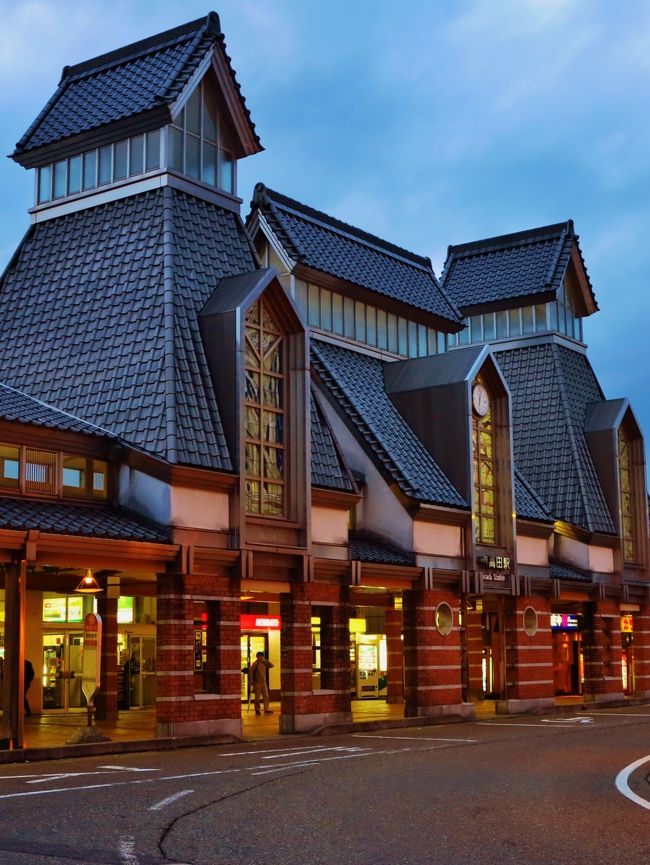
pixel 562 571
pixel 529 264
pixel 528 504
pixel 99 318
pixel 146 76
pixel 64 519
pixel 356 382
pixel 333 247
pixel 327 466
pixel 18 407
pixel 366 550
pixel 551 387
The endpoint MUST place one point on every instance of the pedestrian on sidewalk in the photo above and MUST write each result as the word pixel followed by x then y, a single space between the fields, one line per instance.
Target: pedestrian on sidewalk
pixel 257 681
pixel 29 678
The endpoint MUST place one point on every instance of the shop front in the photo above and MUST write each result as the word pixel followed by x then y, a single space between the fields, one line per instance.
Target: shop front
pixel 568 660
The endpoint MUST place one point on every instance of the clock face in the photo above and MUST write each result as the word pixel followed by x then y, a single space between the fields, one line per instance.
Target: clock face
pixel 480 400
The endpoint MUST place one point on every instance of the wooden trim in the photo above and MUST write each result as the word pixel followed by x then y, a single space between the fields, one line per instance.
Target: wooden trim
pixel 440 514
pixel 202 479
pixel 240 121
pixel 389 576
pixel 84 444
pixel 576 533
pixel 531 529
pixel 334 498
pixel 581 278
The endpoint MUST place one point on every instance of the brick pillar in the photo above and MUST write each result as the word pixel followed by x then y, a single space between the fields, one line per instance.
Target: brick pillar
pixel 302 708
pixel 602 651
pixel 474 653
pixel 106 698
pixel 529 658
pixel 432 662
pixel 395 652
pixel 641 651
pixel 174 655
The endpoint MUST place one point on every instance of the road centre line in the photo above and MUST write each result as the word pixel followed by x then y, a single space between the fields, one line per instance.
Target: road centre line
pixel 259 751
pixel 515 724
pixel 311 751
pixel 168 801
pixel 414 738
pixel 623 787
pixel 625 714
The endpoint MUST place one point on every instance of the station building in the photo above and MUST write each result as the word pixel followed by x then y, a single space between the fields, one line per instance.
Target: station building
pixel 288 435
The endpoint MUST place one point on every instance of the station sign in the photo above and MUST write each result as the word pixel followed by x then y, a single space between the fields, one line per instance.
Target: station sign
pixel 91 656
pixel 564 622
pixel 252 622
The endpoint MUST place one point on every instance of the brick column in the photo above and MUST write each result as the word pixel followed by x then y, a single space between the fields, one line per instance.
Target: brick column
pixel 302 708
pixel 641 651
pixel 174 656
pixel 529 659
pixel 335 650
pixel 106 698
pixel 602 652
pixel 395 652
pixel 432 662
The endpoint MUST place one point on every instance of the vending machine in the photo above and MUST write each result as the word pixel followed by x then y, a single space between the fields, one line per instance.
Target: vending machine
pixel 367 667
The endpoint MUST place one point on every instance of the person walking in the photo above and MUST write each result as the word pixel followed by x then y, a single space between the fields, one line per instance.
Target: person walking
pixel 29 678
pixel 257 681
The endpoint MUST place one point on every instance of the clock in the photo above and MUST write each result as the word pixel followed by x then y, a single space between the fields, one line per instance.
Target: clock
pixel 480 400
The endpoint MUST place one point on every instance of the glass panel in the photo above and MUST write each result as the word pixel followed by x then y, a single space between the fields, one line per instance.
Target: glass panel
pixel 578 329
pixel 273 357
pixel 209 167
pixel 360 321
pixel 253 314
pixel 273 499
pixel 44 184
pixel 9 466
pixel 100 478
pixel 74 473
pixel 301 297
pixel 402 332
pixel 476 328
pixel 452 339
pixel 74 175
pixel 105 164
pixel 121 160
pixel 432 341
pixel 502 324
pixel 371 325
pixel 314 306
pixel 489 328
pixel 40 471
pixel 422 341
pixel 515 324
pixel 528 321
pixel 267 322
pixel 348 317
pixel 325 309
pixel 153 150
pixel 227 172
pixel 252 346
pixel 175 148
pixel 273 427
pixel 463 336
pixel 252 422
pixel 90 169
pixel 209 117
pixel 253 463
pixel 273 391
pixel 193 113
pixel 382 329
pixel 337 314
pixel 552 310
pixel 252 503
pixel 442 345
pixel 413 339
pixel 252 386
pixel 60 178
pixel 136 164
pixel 192 156
pixel 273 459
pixel 392 333
pixel 540 317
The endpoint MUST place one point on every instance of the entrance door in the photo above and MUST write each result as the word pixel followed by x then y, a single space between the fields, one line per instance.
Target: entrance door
pixel 62 671
pixel 493 653
pixel 138 675
pixel 251 644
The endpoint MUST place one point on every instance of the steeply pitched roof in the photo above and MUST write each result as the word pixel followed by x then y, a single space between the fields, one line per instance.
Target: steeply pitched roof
pixel 65 519
pixel 529 264
pixel 99 319
pixel 356 382
pixel 335 248
pixel 528 504
pixel 18 407
pixel 142 78
pixel 363 549
pixel 551 388
pixel 562 571
pixel 327 467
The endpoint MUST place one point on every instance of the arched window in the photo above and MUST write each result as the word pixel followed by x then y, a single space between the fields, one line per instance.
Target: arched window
pixel 264 402
pixel 485 516
pixel 626 480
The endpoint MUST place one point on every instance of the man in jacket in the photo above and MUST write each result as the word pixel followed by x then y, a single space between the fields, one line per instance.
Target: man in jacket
pixel 257 681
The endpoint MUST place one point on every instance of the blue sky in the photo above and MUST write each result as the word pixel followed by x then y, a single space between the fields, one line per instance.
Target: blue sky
pixel 435 122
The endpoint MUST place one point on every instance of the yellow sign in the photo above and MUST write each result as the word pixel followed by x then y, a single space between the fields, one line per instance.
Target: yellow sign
pixel 627 624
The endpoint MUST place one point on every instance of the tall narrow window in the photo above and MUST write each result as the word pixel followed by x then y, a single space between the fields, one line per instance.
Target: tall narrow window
pixel 483 466
pixel 264 413
pixel 628 521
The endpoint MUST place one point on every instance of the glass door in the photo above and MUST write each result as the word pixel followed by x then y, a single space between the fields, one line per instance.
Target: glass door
pixel 251 644
pixel 62 671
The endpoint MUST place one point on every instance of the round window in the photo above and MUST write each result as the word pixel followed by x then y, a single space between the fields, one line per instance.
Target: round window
pixel 444 619
pixel 530 621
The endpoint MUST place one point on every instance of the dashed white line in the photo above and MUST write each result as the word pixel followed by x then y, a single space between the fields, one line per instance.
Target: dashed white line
pixel 415 738
pixel 168 801
pixel 126 849
pixel 623 787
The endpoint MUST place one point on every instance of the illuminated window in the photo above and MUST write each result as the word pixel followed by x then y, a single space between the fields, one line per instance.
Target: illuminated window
pixel 9 466
pixel 628 517
pixel 264 413
pixel 50 473
pixel 484 471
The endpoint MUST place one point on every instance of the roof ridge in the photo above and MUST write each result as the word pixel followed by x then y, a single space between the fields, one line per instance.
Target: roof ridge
pixel 61 411
pixel 517 238
pixel 532 491
pixel 548 277
pixel 142 47
pixel 263 194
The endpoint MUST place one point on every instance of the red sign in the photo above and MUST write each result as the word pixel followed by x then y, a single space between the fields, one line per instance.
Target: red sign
pixel 91 657
pixel 251 622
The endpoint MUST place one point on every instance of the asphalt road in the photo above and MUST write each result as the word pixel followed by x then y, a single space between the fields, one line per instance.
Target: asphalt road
pixel 569 788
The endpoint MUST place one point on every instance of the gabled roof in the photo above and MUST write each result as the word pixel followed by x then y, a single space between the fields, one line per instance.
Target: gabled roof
pixel 528 504
pixel 525 265
pixel 99 313
pixel 85 520
pixel 18 407
pixel 328 468
pixel 551 388
pixel 323 243
pixel 365 549
pixel 140 81
pixel 562 571
pixel 356 383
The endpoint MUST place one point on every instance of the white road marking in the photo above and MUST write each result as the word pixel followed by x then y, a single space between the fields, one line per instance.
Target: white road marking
pixel 625 714
pixel 623 787
pixel 413 738
pixel 516 724
pixel 126 849
pixel 578 720
pixel 128 769
pixel 257 751
pixel 164 802
pixel 316 751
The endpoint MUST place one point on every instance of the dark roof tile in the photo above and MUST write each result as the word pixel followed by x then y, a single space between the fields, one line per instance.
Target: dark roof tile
pixel 327 466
